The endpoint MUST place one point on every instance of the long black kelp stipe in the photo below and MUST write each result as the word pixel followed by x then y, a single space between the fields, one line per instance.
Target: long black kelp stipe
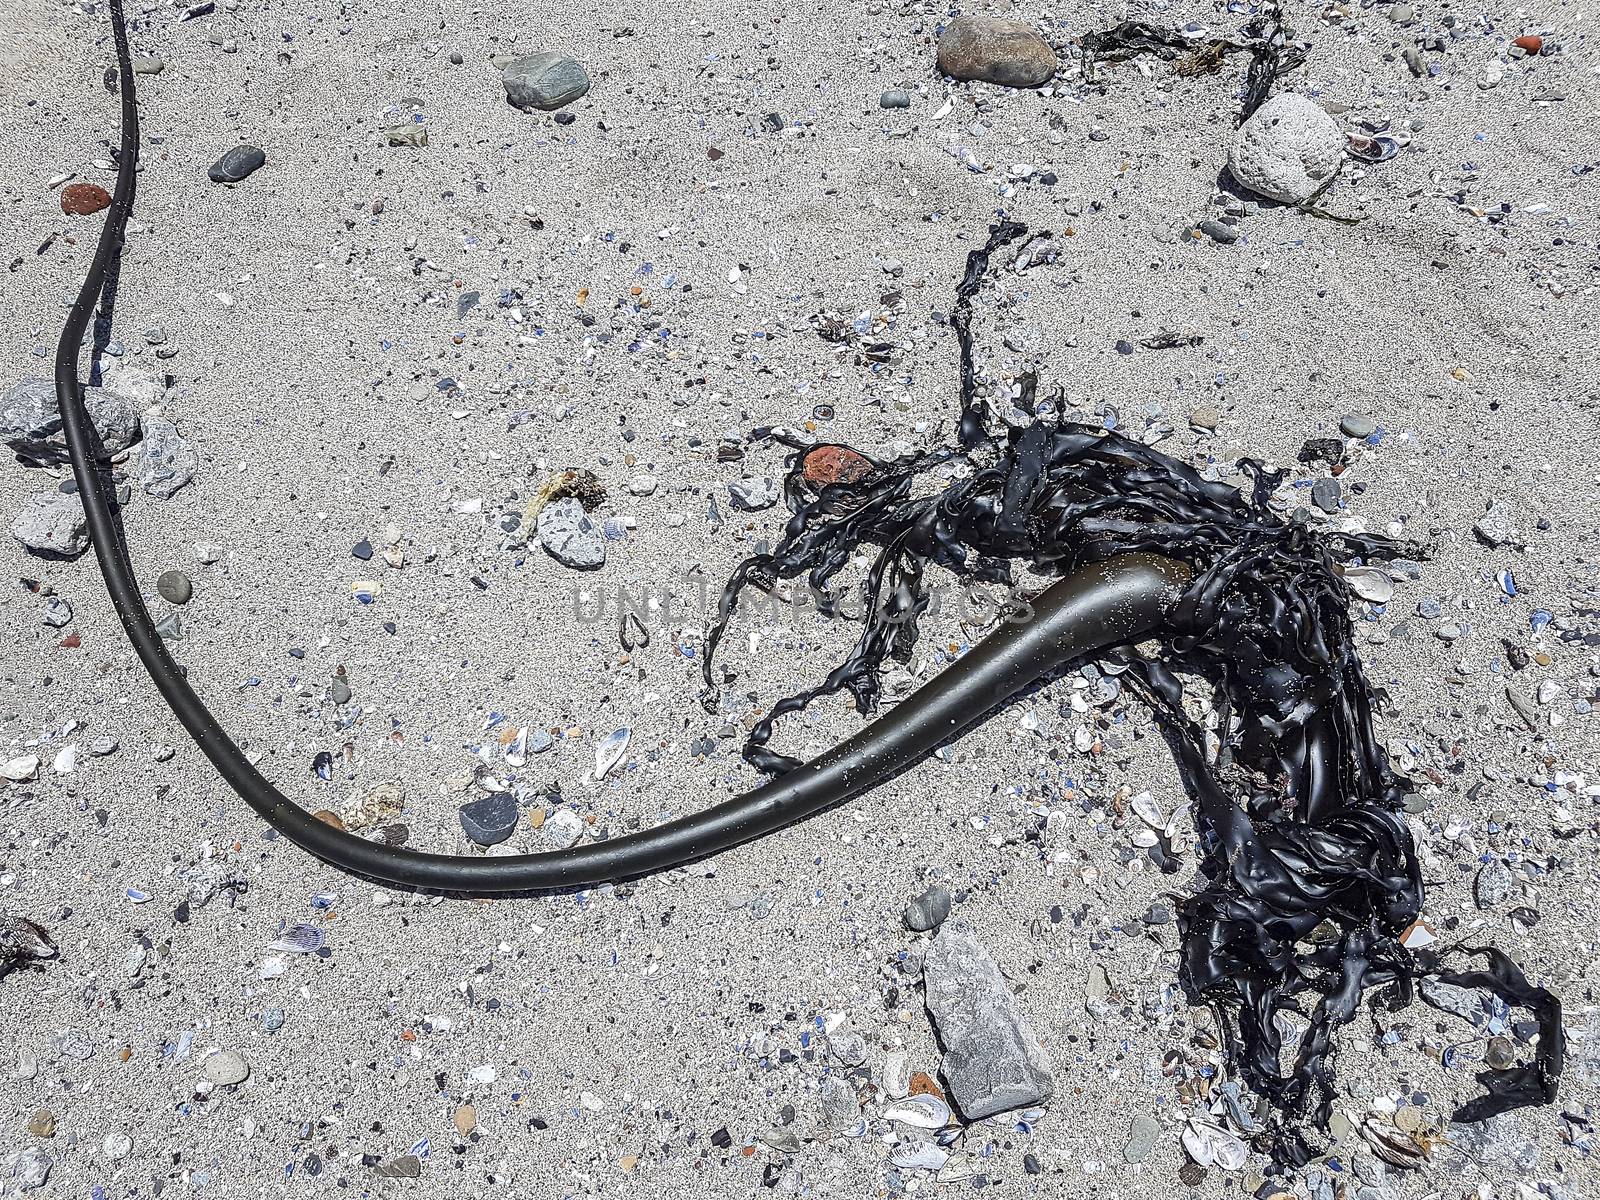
pixel 1309 875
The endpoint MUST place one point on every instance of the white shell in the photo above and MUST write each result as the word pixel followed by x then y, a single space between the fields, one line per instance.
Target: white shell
pixel 920 1112
pixel 1370 583
pixel 609 752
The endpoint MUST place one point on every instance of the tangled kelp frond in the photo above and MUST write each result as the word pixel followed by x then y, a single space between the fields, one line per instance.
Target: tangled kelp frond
pixel 1299 812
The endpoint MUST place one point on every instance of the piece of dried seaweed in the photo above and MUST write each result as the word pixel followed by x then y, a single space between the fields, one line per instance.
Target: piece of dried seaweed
pixel 1264 38
pixel 1299 814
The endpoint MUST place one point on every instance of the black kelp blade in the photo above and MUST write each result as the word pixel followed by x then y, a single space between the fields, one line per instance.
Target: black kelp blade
pixel 1299 814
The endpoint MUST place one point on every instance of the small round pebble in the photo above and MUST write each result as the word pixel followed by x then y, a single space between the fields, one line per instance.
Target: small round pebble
pixel 929 910
pixel 174 587
pixel 83 199
pixel 225 1068
pixel 895 98
pixel 1356 426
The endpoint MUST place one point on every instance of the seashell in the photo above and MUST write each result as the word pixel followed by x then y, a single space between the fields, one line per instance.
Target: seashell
pixel 302 939
pixel 1389 1144
pixel 1371 149
pixel 1148 811
pixel 1211 1145
pixel 21 939
pixel 920 1112
pixel 1370 583
pixel 610 751
pixel 923 1156
pixel 517 749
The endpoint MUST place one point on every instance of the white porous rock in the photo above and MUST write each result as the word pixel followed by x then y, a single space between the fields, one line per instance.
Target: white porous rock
pixel 1288 150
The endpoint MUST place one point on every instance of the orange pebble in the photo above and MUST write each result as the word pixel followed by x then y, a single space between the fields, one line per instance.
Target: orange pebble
pixel 1531 42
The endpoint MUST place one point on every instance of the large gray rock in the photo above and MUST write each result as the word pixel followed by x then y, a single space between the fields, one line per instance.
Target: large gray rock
pixel 30 420
pixel 1288 150
pixel 52 523
pixel 545 80
pixel 992 1060
pixel 995 50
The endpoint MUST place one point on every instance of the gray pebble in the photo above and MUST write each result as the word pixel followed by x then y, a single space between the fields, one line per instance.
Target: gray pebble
pixel 752 493
pixel 1325 495
pixel 1142 1134
pixel 174 587
pixel 545 80
pixel 571 538
pixel 225 1068
pixel 237 164
pixel 32 1169
pixel 929 910
pixel 148 64
pixel 166 459
pixel 1356 426
pixel 1494 885
pixel 895 98
pixel 339 690
pixel 1219 231
pixel 491 820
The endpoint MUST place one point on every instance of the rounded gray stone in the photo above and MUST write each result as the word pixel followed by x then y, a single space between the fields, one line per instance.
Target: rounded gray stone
pixel 225 1068
pixel 1356 426
pixel 929 910
pixel 237 164
pixel 1289 149
pixel 174 587
pixel 546 80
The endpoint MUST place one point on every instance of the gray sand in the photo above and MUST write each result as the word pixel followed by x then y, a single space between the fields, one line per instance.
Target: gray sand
pixel 604 1039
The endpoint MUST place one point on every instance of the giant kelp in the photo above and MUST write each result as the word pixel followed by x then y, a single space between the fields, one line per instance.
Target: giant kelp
pixel 1309 877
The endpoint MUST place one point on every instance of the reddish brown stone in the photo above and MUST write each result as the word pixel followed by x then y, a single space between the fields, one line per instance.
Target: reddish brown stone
pixel 835 464
pixel 922 1084
pixel 1531 42
pixel 81 199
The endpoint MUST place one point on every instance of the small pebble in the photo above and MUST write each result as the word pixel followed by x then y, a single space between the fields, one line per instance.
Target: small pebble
pixel 84 199
pixel 237 164
pixel 174 587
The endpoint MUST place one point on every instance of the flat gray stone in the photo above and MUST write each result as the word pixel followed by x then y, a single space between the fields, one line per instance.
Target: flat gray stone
pixel 992 1059
pixel 571 538
pixel 166 459
pixel 1356 426
pixel 752 493
pixel 491 820
pixel 238 164
pixel 546 80
pixel 52 523
pixel 1142 1134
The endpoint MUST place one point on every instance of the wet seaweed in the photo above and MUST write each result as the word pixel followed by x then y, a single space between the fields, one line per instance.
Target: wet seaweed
pixel 1309 879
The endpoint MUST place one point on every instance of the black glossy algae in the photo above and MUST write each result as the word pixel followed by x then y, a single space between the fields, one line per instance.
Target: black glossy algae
pixel 1309 876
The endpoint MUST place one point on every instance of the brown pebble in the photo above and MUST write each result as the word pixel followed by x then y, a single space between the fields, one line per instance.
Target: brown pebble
pixel 466 1119
pixel 329 818
pixel 1500 1054
pixel 835 464
pixel 81 199
pixel 1191 1173
pixel 922 1084
pixel 1531 42
pixel 42 1123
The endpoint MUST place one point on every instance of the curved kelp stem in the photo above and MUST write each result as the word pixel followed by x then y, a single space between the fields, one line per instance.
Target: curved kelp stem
pixel 1309 875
